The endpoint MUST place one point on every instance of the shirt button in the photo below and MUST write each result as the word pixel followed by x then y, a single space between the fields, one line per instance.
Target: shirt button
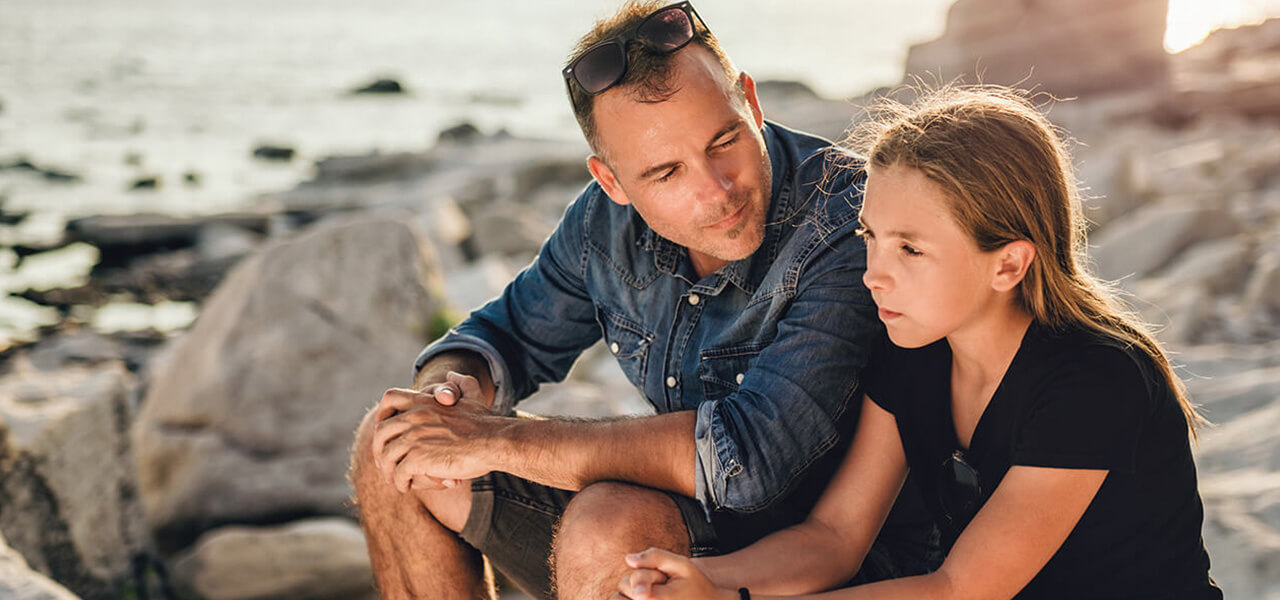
pixel 740 378
pixel 671 382
pixel 614 347
pixel 694 299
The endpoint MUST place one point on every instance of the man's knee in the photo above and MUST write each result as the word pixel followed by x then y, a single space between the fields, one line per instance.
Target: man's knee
pixel 620 516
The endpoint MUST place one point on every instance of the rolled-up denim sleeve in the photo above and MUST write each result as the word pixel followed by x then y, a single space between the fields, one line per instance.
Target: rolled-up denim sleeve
pixel 753 444
pixel 544 319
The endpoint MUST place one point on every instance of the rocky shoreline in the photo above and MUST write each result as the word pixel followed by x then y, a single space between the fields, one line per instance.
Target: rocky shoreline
pixel 211 458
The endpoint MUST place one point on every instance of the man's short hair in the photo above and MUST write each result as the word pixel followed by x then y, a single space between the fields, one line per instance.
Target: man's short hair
pixel 649 75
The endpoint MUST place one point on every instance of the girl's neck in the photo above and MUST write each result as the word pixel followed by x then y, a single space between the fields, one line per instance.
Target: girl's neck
pixel 982 351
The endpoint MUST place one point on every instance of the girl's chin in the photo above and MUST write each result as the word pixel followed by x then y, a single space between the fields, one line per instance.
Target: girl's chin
pixel 906 339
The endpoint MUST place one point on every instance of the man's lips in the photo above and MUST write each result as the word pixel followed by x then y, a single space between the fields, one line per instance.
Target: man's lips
pixel 730 220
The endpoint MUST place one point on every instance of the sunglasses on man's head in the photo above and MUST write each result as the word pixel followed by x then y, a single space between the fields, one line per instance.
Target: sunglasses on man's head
pixel 603 65
pixel 959 490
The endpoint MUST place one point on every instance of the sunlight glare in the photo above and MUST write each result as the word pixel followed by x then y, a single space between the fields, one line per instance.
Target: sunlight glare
pixel 1190 21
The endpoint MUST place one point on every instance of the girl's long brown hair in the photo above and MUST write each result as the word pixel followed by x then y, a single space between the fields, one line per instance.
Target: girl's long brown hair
pixel 1008 175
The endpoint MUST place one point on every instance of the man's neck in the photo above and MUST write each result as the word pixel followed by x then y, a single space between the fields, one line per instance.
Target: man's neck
pixel 705 264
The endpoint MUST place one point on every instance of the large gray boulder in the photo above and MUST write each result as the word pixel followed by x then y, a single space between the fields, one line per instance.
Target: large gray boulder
pixel 314 559
pixel 1151 237
pixel 67 491
pixel 19 582
pixel 250 419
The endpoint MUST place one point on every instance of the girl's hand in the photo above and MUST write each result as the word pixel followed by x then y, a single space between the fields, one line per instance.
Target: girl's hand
pixel 661 575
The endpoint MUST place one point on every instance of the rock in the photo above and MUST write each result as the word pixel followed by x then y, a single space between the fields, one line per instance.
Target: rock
pixel 1225 398
pixel 1232 71
pixel 381 86
pixel 49 174
pixel 460 133
pixel 468 287
pixel 1064 48
pixel 19 582
pixel 582 400
pixel 221 241
pixel 67 492
pixel 191 178
pixel 250 420
pixel 556 173
pixel 371 167
pixel 1242 531
pixel 278 153
pixel 122 238
pixel 1262 293
pixel 509 230
pixel 316 559
pixel 1218 266
pixel 145 183
pixel 1148 239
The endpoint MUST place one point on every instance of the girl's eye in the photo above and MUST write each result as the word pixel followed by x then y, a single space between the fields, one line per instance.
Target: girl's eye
pixel 910 251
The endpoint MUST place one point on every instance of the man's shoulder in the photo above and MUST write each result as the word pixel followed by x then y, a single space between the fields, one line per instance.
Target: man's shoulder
pixel 826 179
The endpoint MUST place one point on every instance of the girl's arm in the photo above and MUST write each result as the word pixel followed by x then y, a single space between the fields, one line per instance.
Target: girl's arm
pixel 827 549
pixel 1023 524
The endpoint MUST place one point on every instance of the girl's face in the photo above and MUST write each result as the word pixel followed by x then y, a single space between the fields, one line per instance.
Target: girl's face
pixel 927 276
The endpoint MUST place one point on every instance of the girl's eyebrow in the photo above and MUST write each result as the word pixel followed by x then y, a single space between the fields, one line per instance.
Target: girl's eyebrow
pixel 909 236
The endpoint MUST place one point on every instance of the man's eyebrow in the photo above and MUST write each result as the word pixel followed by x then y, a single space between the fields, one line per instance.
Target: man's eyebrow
pixel 726 130
pixel 654 170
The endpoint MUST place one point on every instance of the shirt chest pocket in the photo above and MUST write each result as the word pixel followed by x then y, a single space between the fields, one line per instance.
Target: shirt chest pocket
pixel 722 370
pixel 627 341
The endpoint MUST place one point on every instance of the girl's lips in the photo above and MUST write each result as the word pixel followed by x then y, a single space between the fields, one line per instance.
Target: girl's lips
pixel 887 315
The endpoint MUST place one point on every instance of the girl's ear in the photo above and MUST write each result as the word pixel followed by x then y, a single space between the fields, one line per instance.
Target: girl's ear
pixel 1013 260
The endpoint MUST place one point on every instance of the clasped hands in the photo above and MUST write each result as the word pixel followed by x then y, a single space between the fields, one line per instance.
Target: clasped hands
pixel 661 575
pixel 434 438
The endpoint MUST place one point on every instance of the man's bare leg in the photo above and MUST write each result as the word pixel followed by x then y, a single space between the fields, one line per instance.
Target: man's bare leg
pixel 601 525
pixel 412 538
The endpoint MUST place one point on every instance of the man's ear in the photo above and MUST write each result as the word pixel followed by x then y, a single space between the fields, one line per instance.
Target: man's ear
pixel 1012 262
pixel 753 101
pixel 605 177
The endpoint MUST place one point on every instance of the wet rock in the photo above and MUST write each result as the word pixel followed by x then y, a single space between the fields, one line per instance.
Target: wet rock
pixel 122 238
pixel 67 492
pixel 371 167
pixel 316 559
pixel 145 183
pixel 1151 237
pixel 250 419
pixel 19 582
pixel 49 174
pixel 560 173
pixel 460 133
pixel 380 86
pixel 276 153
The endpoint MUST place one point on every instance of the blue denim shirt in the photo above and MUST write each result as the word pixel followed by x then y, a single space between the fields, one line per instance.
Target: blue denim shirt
pixel 768 349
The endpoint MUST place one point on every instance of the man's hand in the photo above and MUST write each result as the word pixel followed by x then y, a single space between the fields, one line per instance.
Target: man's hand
pixel 432 438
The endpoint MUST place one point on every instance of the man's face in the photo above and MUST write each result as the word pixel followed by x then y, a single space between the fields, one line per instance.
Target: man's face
pixel 694 165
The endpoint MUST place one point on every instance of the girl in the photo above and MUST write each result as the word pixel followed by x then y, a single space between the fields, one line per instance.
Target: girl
pixel 1050 437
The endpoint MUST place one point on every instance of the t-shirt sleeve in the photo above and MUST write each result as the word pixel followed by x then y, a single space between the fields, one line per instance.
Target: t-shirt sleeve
pixel 1088 414
pixel 879 374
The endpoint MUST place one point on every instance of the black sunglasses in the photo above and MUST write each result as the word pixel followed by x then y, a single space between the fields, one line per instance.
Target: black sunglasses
pixel 959 490
pixel 603 65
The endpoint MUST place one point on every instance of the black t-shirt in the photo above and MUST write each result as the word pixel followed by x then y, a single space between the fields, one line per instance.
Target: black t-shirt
pixel 1078 401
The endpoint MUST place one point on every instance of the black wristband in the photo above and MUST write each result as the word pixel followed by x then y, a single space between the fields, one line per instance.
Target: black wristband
pixel 744 594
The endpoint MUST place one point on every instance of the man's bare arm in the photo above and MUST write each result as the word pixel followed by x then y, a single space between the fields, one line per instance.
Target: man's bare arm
pixel 424 440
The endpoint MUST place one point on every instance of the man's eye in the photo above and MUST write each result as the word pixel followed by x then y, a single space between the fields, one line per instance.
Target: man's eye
pixel 667 175
pixel 728 142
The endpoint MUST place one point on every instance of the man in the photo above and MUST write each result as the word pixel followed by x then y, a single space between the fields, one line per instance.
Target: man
pixel 716 255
